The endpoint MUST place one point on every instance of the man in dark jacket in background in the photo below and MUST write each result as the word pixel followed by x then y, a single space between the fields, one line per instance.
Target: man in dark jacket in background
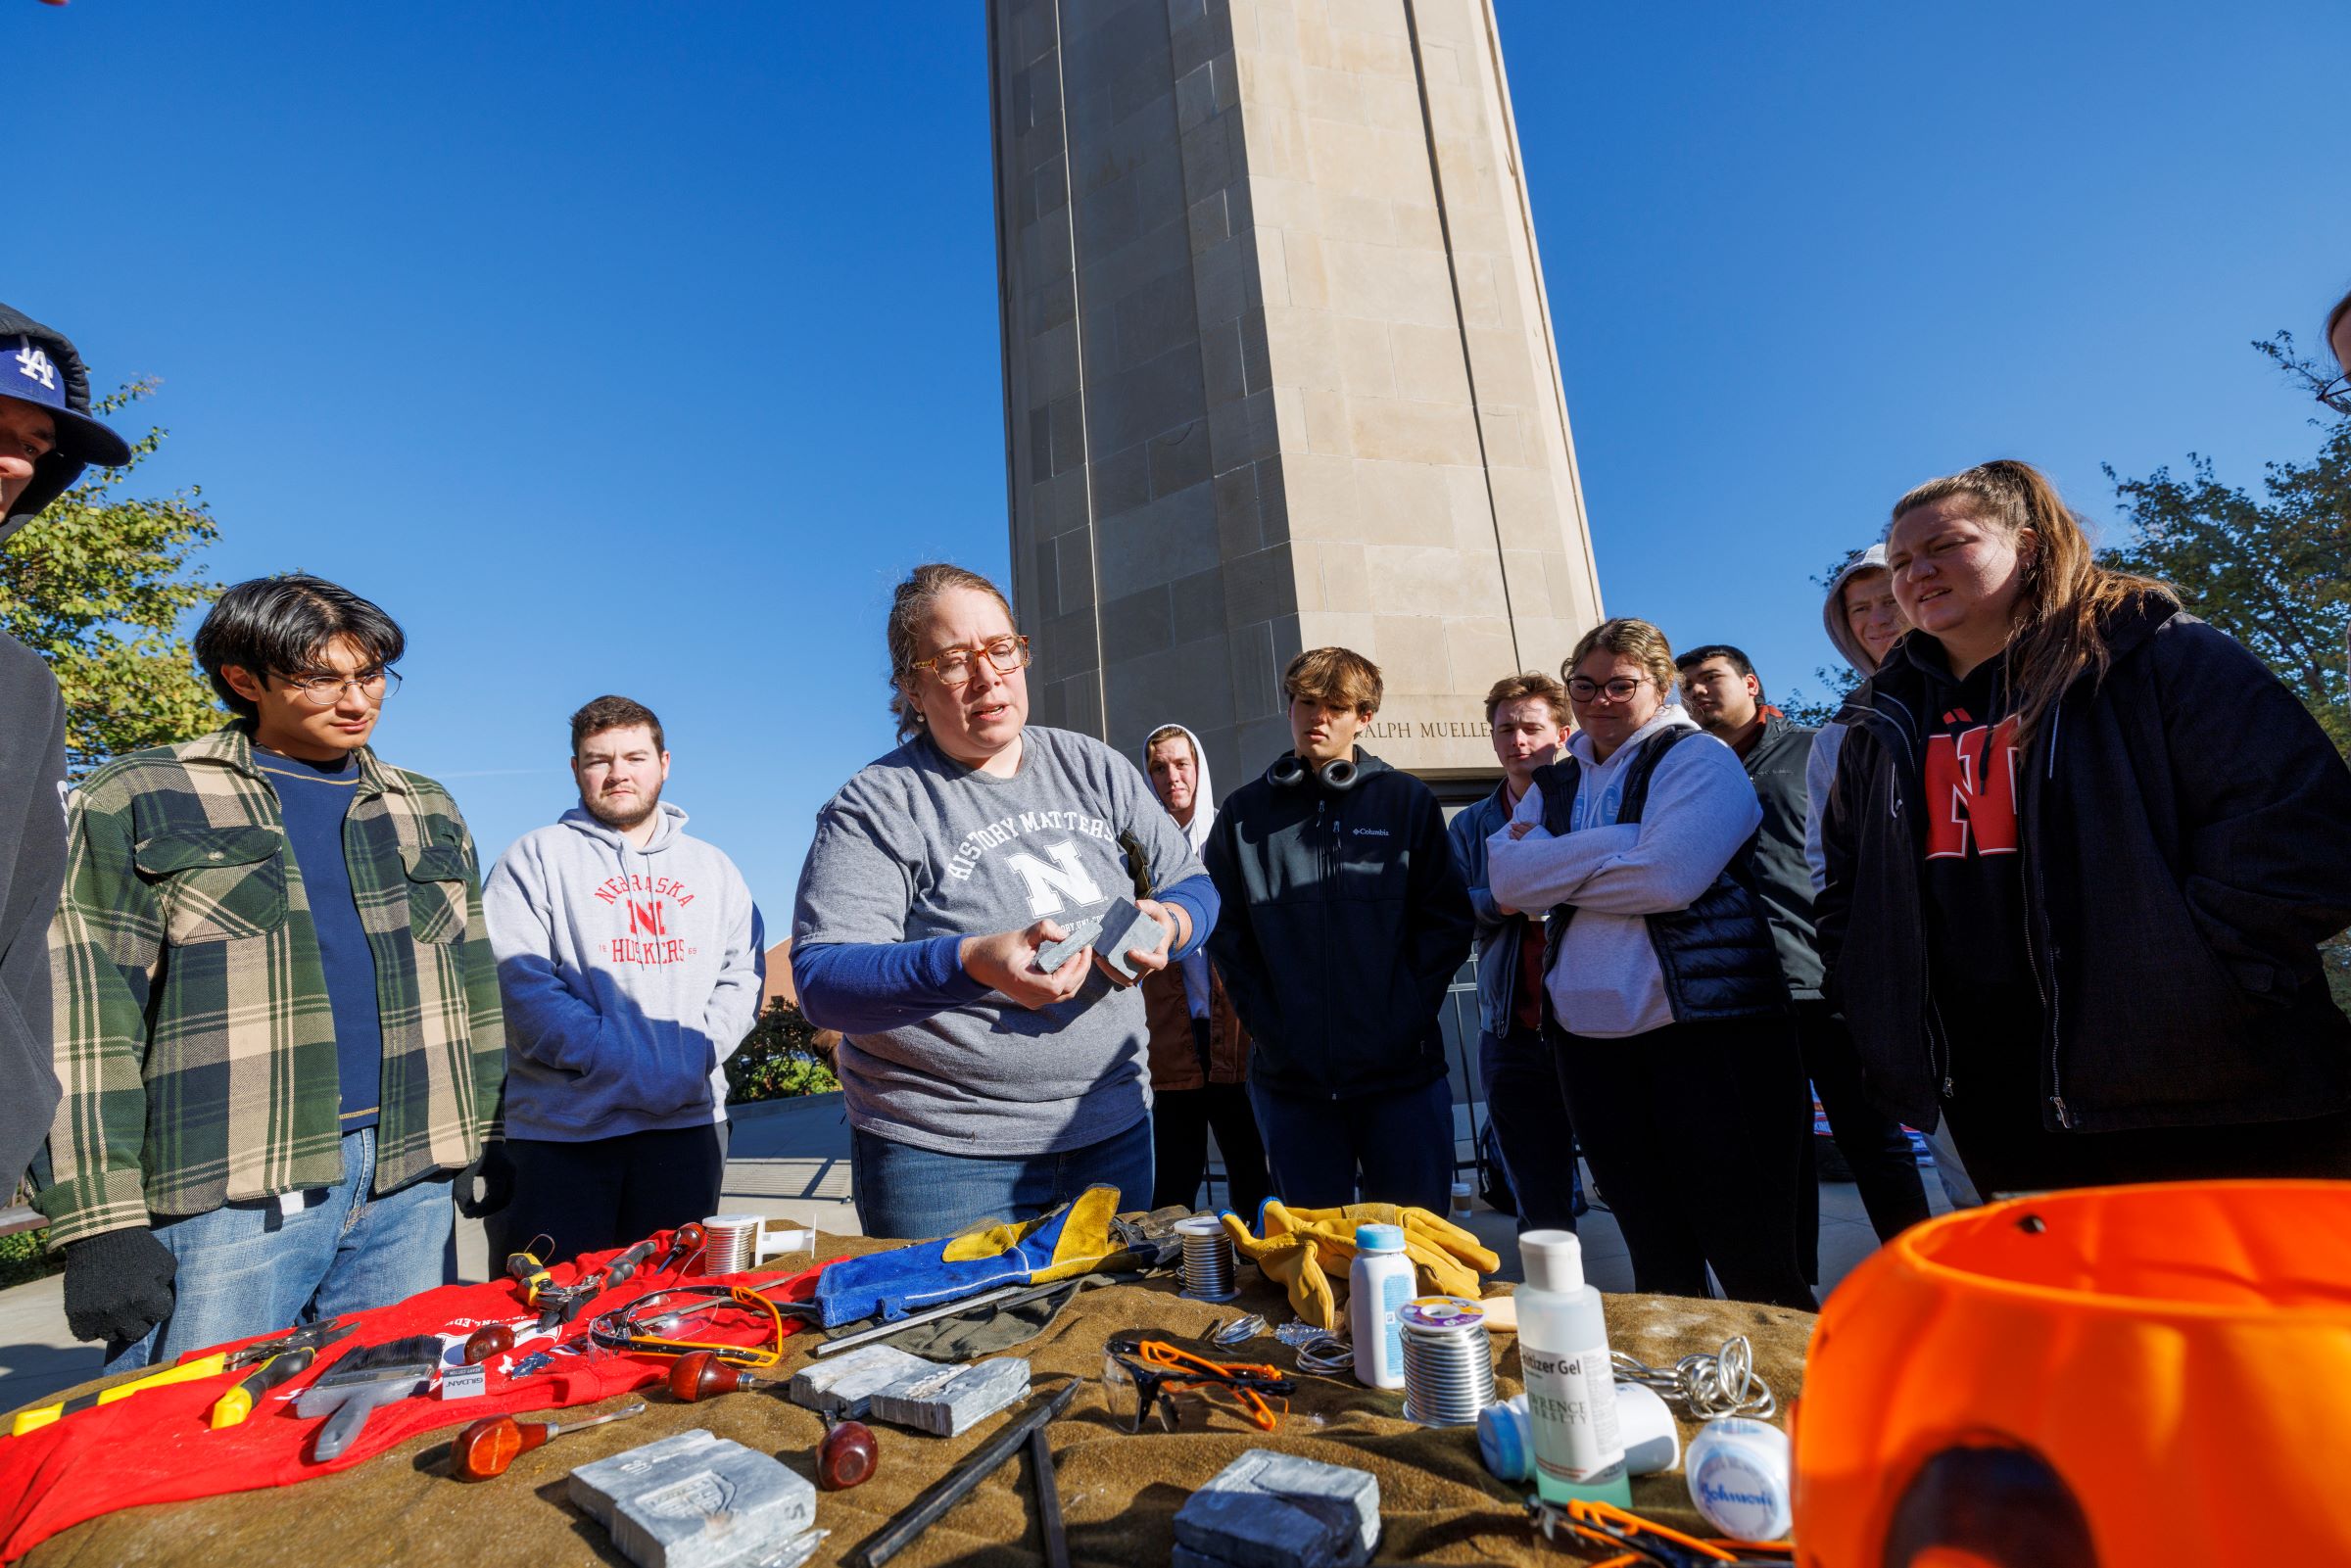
pixel 47 436
pixel 1721 690
pixel 1343 921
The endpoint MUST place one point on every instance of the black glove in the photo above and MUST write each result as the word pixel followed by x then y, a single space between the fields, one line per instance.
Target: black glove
pixel 497 1183
pixel 117 1285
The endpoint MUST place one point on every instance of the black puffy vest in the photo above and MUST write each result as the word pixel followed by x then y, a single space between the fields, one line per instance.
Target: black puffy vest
pixel 1717 956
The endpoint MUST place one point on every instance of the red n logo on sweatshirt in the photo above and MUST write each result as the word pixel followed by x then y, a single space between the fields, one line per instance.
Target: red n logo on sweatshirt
pixel 645 919
pixel 1971 791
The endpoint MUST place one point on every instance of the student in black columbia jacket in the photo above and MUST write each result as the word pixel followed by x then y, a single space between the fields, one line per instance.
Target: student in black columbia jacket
pixel 2082 850
pixel 1344 920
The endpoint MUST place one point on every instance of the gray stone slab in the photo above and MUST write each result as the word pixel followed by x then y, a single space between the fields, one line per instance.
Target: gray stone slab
pixel 1276 1511
pixel 845 1385
pixel 593 1486
pixel 949 1402
pixel 710 1505
pixel 1123 926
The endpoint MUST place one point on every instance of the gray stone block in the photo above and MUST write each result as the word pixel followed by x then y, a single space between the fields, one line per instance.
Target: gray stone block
pixel 1123 926
pixel 593 1486
pixel 1275 1510
pixel 949 1402
pixel 845 1385
pixel 1081 928
pixel 712 1505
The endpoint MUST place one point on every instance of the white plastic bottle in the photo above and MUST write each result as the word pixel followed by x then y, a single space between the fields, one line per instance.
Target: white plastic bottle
pixel 1570 1388
pixel 1378 1283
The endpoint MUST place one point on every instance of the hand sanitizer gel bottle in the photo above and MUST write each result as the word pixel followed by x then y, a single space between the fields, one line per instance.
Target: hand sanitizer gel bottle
pixel 1570 1388
pixel 1378 1283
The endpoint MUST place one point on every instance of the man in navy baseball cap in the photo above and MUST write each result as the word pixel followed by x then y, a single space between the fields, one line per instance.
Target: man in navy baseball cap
pixel 47 438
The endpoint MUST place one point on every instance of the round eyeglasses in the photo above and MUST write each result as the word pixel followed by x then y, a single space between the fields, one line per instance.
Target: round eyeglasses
pixel 1617 690
pixel 326 691
pixel 953 666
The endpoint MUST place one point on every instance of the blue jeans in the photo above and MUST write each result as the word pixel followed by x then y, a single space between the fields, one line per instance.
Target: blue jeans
pixel 910 1194
pixel 1398 1145
pixel 248 1267
pixel 1521 1086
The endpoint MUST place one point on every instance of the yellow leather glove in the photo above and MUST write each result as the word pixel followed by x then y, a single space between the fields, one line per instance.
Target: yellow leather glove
pixel 1308 1251
pixel 1293 1262
pixel 1447 1258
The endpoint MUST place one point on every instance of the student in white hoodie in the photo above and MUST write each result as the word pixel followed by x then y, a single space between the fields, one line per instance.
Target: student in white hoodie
pixel 629 962
pixel 1663 989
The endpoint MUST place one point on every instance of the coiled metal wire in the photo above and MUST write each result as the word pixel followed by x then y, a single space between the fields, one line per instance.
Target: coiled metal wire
pixel 1707 1387
pixel 1448 1363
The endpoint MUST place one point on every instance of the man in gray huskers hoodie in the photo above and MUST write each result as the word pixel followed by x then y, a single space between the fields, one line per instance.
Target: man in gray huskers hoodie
pixel 629 964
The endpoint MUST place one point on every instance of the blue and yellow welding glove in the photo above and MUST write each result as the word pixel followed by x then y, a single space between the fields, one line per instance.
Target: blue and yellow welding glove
pixel 1074 1239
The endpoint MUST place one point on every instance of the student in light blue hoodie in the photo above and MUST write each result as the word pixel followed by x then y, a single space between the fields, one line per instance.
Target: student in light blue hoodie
pixel 629 962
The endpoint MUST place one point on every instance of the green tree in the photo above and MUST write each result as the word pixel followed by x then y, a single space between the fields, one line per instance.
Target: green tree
pixel 783 1056
pixel 2272 573
pixel 97 584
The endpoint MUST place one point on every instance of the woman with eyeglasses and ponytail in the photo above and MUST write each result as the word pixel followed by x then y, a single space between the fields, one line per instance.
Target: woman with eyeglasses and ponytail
pixel 1664 998
pixel 2082 850
pixel 986 1076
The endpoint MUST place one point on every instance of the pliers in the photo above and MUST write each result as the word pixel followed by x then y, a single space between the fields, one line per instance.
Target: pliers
pixel 275 1362
pixel 1641 1541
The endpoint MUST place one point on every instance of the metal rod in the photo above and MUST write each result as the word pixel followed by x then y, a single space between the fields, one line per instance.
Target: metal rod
pixel 884 1331
pixel 1048 1500
pixel 926 1510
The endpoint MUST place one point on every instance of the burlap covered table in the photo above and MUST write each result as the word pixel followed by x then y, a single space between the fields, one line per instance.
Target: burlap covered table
pixel 1118 1490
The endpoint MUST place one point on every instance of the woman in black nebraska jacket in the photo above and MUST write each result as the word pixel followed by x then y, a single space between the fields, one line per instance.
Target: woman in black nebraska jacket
pixel 2082 848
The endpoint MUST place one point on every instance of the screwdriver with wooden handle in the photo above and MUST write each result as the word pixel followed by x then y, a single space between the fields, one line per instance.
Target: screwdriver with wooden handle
pixel 485 1449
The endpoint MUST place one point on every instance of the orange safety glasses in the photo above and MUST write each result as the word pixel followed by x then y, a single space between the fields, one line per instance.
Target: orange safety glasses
pixel 1158 1371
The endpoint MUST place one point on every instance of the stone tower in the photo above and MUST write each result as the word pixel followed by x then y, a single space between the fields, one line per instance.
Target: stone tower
pixel 1279 368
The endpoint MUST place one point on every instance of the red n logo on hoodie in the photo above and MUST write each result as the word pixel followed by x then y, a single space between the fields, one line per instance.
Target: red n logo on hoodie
pixel 1971 790
pixel 645 919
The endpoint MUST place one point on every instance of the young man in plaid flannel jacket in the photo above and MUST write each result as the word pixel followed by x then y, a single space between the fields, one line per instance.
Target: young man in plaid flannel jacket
pixel 277 1012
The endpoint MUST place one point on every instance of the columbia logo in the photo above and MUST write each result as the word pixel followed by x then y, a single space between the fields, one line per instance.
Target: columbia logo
pixel 1368 832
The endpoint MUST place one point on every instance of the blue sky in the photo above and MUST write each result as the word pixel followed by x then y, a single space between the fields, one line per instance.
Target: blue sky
pixel 642 347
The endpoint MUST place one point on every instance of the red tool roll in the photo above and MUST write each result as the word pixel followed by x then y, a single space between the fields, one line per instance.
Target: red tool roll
pixel 158 1446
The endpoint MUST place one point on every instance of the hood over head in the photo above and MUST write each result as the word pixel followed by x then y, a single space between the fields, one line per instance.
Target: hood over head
pixel 1831 609
pixel 38 366
pixel 1204 794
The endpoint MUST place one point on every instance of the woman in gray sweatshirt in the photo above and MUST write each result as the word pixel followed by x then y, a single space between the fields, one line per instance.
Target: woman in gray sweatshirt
pixel 981 1084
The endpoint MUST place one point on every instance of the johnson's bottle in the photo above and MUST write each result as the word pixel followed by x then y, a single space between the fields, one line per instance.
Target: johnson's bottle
pixel 1570 1388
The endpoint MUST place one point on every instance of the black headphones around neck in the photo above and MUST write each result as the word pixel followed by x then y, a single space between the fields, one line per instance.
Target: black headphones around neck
pixel 1289 771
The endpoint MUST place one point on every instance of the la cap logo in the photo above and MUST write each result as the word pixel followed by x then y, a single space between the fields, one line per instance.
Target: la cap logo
pixel 33 364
